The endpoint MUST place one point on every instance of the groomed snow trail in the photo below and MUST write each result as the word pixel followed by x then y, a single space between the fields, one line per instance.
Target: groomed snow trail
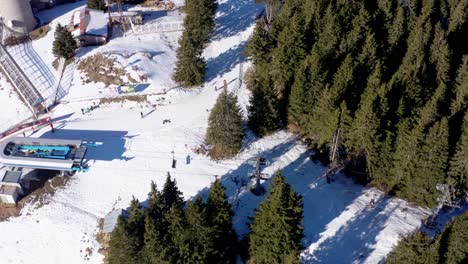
pixel 339 225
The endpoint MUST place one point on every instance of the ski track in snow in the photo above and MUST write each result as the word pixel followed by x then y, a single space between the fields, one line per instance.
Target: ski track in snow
pixel 339 225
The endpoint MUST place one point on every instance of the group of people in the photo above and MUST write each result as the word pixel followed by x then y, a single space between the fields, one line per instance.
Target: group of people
pixel 89 108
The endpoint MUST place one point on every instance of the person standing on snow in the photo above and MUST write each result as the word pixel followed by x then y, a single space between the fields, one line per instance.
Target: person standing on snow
pixel 141 114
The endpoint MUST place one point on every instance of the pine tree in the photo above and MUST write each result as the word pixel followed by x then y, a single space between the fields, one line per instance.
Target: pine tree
pixel 458 16
pixel 97 4
pixel 440 54
pixel 431 165
pixel 199 24
pixel 175 246
pixel 127 239
pixel 120 251
pixel 190 67
pixel 290 50
pixel 198 234
pixel 263 111
pixel 460 100
pixel 309 83
pixel 135 229
pixel 366 123
pixel 259 46
pixel 219 218
pixel 170 195
pixel 453 248
pixel 276 231
pixel 225 133
pixel 459 162
pixel 154 227
pixel 64 45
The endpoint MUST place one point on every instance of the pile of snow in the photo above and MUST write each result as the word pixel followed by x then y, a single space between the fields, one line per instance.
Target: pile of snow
pixel 340 227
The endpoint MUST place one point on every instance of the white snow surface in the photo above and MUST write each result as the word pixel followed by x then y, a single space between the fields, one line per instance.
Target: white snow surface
pixel 339 225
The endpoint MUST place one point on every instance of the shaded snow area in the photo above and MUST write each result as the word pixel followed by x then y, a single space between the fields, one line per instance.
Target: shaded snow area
pixel 340 227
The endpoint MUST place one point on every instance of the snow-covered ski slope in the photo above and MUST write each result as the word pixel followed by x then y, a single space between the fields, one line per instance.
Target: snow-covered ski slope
pixel 340 227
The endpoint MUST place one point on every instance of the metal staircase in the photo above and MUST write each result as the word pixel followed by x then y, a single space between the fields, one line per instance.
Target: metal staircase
pixel 18 78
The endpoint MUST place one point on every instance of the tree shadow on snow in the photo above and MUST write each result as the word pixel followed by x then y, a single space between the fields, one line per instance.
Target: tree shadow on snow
pixel 225 61
pixel 326 206
pixel 235 16
pixel 47 15
pixel 355 239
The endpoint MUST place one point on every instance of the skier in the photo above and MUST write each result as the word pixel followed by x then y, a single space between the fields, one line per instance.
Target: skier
pixel 141 114
pixel 52 128
pixel 82 111
pixel 187 159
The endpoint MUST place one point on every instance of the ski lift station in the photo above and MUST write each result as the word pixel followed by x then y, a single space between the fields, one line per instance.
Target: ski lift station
pixel 20 156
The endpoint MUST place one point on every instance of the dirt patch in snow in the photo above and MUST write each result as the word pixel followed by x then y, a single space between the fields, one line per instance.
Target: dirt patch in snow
pixel 130 98
pixel 108 70
pixel 46 184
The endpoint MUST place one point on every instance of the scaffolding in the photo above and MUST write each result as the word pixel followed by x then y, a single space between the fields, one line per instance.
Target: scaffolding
pixel 30 95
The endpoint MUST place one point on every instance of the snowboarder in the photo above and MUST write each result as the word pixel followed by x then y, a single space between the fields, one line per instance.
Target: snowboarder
pixel 187 159
pixel 52 128
pixel 141 114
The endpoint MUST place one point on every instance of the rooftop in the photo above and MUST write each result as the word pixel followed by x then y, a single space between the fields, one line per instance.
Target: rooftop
pixel 89 21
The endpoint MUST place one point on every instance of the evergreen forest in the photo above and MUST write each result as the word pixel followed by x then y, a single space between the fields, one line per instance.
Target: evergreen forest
pixel 448 247
pixel 169 230
pixel 379 88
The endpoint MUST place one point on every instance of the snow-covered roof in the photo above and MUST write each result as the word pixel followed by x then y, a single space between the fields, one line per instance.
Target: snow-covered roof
pixel 89 21
pixel 97 23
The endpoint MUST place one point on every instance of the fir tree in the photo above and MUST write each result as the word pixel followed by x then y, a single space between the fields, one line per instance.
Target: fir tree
pixel 64 44
pixel 198 234
pixel 432 164
pixel 120 251
pixel 127 239
pixel 170 195
pixel 154 227
pixel 190 66
pixel 460 100
pixel 97 4
pixel 259 45
pixel 219 219
pixel 135 228
pixel 290 50
pixel 440 54
pixel 175 247
pixel 276 231
pixel 459 162
pixel 453 248
pixel 263 111
pixel 225 133
pixel 199 25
